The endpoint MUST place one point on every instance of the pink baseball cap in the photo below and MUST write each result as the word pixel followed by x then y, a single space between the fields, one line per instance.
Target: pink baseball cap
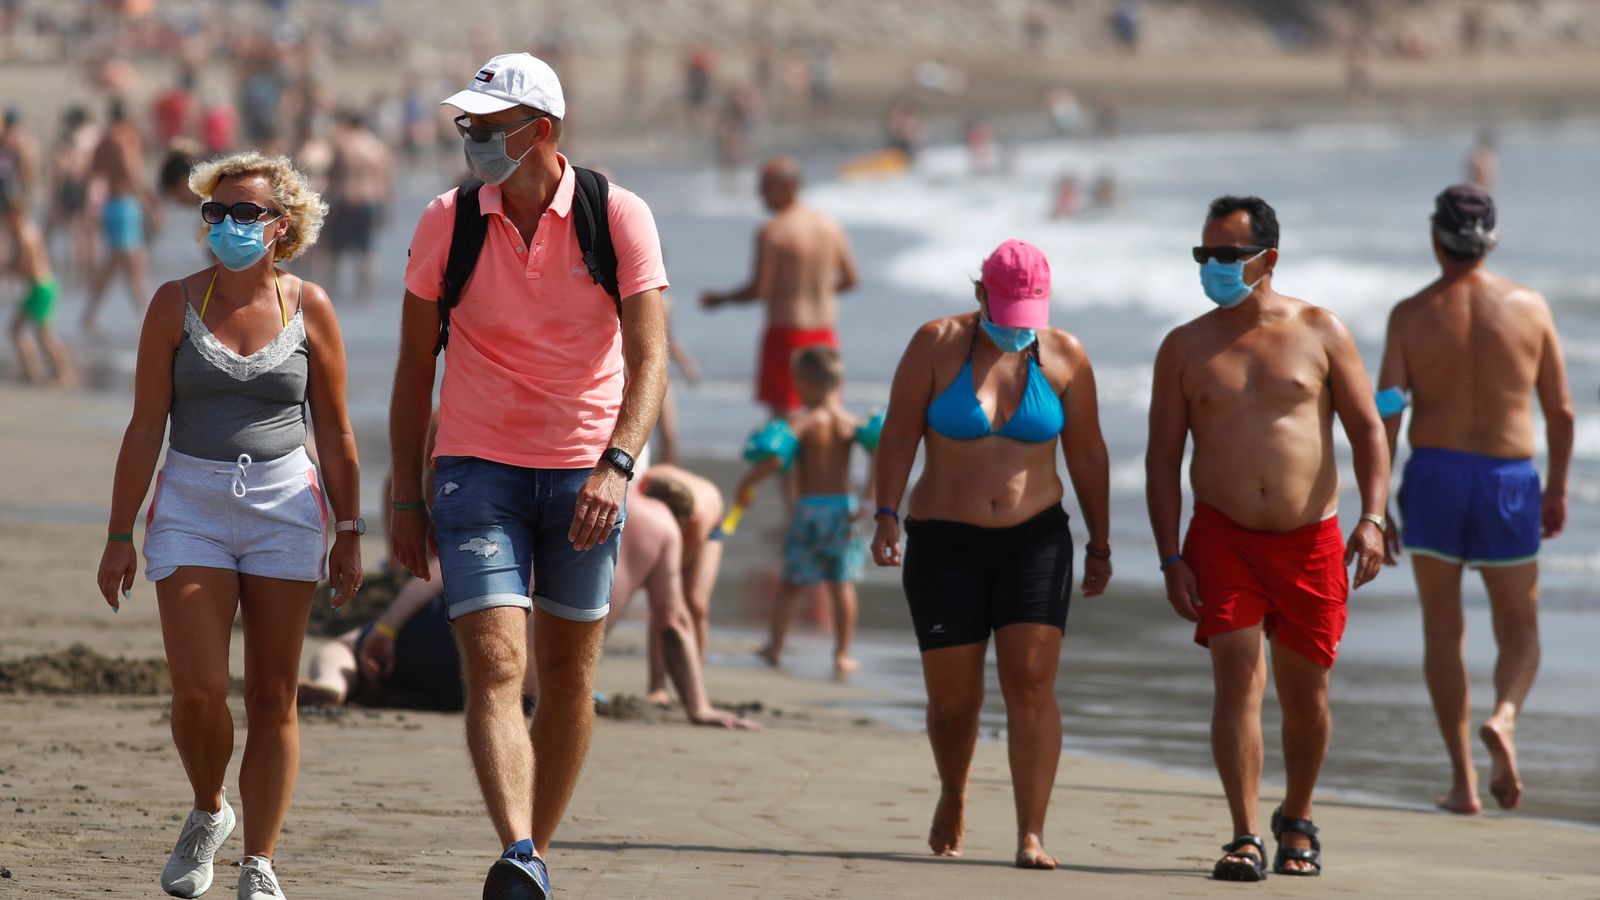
pixel 1016 276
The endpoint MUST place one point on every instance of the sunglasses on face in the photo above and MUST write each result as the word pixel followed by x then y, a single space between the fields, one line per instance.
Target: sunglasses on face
pixel 243 213
pixel 484 132
pixel 1225 255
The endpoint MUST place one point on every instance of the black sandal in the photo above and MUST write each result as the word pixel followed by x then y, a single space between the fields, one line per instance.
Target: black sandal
pixel 1233 870
pixel 1285 855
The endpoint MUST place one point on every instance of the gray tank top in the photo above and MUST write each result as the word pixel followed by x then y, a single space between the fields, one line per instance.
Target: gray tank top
pixel 224 404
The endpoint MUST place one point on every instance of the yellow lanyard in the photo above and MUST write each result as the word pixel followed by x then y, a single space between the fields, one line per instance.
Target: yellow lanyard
pixel 275 285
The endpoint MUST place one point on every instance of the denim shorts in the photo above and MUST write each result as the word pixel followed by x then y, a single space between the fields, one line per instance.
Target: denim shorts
pixel 502 535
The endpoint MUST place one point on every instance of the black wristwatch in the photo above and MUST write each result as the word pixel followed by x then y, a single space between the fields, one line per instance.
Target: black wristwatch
pixel 621 459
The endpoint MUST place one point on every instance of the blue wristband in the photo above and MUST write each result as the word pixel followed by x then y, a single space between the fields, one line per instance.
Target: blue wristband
pixel 1170 561
pixel 886 511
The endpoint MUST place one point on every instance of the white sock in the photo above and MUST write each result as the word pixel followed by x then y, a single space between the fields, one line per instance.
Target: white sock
pixel 261 862
pixel 216 817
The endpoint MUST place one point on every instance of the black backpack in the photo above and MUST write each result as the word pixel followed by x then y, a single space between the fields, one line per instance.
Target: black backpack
pixel 589 217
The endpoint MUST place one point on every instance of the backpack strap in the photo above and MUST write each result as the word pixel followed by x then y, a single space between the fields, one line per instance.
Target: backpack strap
pixel 466 243
pixel 591 219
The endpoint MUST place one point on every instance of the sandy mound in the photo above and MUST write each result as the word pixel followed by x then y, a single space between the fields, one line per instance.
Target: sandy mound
pixel 80 670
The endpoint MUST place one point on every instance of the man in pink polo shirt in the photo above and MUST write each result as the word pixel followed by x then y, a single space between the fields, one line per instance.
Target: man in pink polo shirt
pixel 547 399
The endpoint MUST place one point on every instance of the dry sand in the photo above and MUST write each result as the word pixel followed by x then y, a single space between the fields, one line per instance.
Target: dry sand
pixel 823 803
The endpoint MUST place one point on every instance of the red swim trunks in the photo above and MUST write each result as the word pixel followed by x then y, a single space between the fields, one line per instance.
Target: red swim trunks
pixel 1294 581
pixel 775 384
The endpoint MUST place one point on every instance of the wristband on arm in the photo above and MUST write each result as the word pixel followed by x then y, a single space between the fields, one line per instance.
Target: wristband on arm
pixel 887 511
pixel 1170 561
pixel 119 537
pixel 408 506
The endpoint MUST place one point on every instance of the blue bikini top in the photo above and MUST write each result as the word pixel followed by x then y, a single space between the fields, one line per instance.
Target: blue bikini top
pixel 957 414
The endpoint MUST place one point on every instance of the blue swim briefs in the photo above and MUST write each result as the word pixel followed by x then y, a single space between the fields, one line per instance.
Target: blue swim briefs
pixel 1470 509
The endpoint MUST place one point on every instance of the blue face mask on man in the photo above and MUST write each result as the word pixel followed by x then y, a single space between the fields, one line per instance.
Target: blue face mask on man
pixel 238 247
pixel 1224 282
pixel 1011 340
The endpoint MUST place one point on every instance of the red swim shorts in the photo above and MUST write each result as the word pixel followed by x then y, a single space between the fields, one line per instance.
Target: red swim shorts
pixel 1293 581
pixel 775 384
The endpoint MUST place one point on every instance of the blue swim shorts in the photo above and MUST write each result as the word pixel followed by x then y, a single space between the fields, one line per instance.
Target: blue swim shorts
pixel 502 535
pixel 822 544
pixel 123 218
pixel 1470 509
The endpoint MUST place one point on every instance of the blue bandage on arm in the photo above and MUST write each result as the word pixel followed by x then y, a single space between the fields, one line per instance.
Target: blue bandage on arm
pixel 1391 402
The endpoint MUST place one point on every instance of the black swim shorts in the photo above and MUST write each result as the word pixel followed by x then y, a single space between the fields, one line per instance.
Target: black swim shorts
pixel 964 581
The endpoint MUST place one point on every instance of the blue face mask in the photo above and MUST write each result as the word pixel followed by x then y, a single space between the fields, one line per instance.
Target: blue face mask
pixel 238 247
pixel 1011 340
pixel 1224 282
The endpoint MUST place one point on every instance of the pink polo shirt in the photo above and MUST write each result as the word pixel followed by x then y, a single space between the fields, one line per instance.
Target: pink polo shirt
pixel 533 374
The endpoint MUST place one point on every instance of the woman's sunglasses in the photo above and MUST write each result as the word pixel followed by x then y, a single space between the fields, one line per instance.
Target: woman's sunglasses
pixel 483 133
pixel 243 213
pixel 1225 255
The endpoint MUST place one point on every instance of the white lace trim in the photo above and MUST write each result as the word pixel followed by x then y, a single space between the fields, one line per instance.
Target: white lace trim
pixel 244 368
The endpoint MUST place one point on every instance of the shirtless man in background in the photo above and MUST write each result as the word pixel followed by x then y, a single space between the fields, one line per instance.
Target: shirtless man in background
pixel 1257 383
pixel 119 162
pixel 803 262
pixel 360 188
pixel 1473 348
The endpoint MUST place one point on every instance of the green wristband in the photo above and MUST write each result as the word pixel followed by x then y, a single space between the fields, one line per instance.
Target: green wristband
pixel 409 506
pixel 121 538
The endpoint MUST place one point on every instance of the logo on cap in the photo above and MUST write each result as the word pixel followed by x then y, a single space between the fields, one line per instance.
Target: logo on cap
pixel 485 75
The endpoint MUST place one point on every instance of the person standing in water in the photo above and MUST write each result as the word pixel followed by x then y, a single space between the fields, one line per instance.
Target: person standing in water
pixel 1473 349
pixel 803 262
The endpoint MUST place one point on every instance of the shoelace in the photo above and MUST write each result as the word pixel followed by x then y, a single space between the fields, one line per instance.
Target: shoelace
pixel 198 839
pixel 256 880
pixel 239 472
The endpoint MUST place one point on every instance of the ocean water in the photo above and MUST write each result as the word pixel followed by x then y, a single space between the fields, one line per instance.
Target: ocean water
pixel 1353 203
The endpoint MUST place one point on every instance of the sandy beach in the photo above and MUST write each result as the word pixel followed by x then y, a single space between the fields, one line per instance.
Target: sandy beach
pixel 823 803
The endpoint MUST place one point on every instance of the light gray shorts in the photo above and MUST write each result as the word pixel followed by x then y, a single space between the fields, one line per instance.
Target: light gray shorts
pixel 263 518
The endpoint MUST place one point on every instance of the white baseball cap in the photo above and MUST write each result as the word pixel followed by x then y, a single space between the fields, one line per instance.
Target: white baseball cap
pixel 511 79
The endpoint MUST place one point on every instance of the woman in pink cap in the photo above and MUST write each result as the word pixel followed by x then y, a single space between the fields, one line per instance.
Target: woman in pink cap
pixel 988 547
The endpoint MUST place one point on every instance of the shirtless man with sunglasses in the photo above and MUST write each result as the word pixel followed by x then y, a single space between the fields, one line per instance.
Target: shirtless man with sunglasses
pixel 1257 382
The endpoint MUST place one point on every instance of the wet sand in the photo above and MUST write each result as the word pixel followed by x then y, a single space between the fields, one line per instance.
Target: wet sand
pixel 824 802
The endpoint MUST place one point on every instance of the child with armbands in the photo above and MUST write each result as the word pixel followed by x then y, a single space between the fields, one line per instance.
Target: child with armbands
pixel 822 545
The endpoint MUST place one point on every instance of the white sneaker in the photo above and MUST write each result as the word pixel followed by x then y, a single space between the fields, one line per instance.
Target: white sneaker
pixel 188 870
pixel 256 880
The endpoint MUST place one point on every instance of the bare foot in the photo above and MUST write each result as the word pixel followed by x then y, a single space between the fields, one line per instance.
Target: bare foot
pixel 658 697
pixel 1031 855
pixel 1504 784
pixel 949 824
pixel 1462 800
pixel 844 665
pixel 767 653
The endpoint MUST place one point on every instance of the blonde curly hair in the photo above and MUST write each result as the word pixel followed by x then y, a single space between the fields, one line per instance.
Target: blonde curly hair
pixel 291 192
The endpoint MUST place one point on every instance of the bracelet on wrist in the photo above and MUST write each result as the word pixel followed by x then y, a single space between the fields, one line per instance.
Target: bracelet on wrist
pixel 887 511
pixel 119 537
pixel 386 630
pixel 1093 552
pixel 1170 561
pixel 408 506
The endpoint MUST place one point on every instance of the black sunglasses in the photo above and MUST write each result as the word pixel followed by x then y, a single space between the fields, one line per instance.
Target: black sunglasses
pixel 244 213
pixel 1226 255
pixel 482 134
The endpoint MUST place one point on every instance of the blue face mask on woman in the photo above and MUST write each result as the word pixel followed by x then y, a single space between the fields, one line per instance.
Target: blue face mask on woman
pixel 238 247
pixel 1011 340
pixel 1224 282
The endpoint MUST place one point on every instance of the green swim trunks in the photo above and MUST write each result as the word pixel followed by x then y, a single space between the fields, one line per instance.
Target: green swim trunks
pixel 41 300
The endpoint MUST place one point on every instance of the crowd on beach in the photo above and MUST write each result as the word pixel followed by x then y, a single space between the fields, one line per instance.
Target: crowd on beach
pixel 527 507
